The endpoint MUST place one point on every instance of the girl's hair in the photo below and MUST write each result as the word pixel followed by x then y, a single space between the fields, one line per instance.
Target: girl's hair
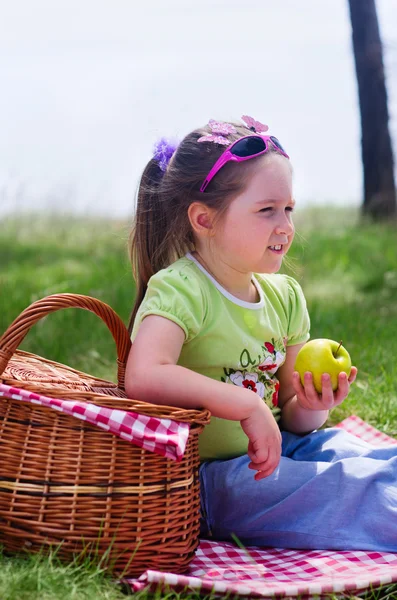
pixel 161 232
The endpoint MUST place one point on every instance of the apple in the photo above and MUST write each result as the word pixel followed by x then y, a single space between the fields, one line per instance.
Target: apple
pixel 323 356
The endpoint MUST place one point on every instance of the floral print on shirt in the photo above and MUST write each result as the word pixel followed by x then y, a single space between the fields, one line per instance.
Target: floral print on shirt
pixel 249 381
pixel 258 373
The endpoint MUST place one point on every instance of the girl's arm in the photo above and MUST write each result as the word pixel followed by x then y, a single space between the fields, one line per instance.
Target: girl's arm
pixel 152 375
pixel 303 409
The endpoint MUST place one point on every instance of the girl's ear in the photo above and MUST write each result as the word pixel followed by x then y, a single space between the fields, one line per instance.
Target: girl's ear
pixel 201 219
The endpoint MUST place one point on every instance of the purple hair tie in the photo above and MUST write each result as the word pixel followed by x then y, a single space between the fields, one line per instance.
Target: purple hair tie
pixel 163 151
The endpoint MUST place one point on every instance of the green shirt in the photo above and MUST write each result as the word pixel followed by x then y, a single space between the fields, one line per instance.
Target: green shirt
pixel 227 339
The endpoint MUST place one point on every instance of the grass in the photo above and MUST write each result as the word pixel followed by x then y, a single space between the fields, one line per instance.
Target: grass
pixel 39 257
pixel 39 577
pixel 45 578
pixel 347 269
pixel 349 275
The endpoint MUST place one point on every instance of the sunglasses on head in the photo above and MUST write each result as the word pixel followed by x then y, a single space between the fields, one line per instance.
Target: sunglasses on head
pixel 243 149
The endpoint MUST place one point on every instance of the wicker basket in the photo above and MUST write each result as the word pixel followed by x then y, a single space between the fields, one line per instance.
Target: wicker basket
pixel 70 485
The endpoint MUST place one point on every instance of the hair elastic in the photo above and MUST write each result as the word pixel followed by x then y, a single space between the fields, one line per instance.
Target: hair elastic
pixel 163 151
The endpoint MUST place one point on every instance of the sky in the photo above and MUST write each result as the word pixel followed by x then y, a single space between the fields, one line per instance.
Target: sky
pixel 88 86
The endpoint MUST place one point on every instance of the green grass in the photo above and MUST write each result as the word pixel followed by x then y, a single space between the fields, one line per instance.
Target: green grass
pixel 45 578
pixel 349 274
pixel 39 257
pixel 347 269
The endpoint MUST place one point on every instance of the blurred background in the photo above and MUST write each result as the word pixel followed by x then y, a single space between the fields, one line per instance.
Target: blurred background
pixel 87 88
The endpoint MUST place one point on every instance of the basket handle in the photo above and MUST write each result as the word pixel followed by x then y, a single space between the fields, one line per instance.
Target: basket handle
pixel 13 336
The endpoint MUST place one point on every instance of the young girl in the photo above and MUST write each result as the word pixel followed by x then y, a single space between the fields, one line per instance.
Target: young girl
pixel 214 326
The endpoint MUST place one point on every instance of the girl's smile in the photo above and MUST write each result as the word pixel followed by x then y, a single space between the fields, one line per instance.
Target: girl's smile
pixel 277 249
pixel 257 229
pixel 255 232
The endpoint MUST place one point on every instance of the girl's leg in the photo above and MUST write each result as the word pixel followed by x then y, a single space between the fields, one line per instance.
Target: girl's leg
pixel 332 444
pixel 346 503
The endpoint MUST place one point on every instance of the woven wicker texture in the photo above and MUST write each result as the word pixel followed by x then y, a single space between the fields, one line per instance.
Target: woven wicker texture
pixel 67 483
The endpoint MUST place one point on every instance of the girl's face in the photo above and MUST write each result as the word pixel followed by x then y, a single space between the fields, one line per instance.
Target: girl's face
pixel 257 230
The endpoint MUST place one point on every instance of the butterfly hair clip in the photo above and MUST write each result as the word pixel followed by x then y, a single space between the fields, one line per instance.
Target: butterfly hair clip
pixel 255 126
pixel 218 134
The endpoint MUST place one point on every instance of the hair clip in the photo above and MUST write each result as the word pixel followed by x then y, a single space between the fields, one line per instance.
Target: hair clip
pixel 253 125
pixel 219 131
pixel 163 151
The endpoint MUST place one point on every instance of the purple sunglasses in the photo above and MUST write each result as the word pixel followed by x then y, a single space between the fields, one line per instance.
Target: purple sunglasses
pixel 245 148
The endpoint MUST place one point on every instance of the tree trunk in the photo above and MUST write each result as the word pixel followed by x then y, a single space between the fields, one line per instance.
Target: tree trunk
pixel 380 201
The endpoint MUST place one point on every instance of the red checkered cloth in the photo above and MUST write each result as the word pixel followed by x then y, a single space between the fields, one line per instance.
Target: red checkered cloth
pixel 163 436
pixel 225 569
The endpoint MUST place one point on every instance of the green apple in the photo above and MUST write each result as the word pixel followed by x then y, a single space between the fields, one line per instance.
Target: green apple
pixel 323 356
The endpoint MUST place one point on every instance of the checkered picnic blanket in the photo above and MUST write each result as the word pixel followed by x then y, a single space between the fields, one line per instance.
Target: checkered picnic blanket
pixel 262 573
pixel 163 436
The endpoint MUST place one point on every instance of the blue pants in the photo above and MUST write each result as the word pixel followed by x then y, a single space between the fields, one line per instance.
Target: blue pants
pixel 331 490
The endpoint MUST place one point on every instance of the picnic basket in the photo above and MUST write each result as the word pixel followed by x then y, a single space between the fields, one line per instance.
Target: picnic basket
pixel 69 485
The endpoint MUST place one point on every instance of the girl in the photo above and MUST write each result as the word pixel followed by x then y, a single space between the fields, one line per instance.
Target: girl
pixel 215 326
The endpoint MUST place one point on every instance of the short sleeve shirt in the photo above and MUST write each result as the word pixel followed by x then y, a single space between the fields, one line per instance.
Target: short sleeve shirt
pixel 230 340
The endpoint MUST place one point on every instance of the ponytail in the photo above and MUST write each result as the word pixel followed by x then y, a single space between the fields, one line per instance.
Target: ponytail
pixel 149 251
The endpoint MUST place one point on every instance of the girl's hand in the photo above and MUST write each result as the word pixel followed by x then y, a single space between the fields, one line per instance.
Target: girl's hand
pixel 310 399
pixel 264 447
